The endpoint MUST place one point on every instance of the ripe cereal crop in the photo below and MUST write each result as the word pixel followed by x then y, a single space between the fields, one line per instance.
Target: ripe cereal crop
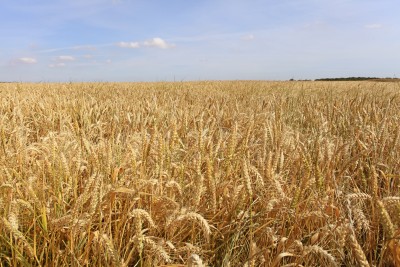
pixel 211 173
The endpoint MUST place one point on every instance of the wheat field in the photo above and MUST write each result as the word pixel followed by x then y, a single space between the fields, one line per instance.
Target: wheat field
pixel 229 173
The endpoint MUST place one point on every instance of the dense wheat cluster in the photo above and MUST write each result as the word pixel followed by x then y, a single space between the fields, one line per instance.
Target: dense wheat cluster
pixel 200 174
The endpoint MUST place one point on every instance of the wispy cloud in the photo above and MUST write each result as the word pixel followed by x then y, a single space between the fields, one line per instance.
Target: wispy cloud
pixel 158 42
pixel 57 65
pixel 64 58
pixel 87 47
pixel 75 47
pixel 218 37
pixel 27 60
pixel 60 61
pixel 248 37
pixel 128 44
pixel 154 42
pixel 373 26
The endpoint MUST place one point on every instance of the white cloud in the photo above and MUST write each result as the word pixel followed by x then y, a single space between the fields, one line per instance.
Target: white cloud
pixel 76 47
pixel 154 42
pixel 373 26
pixel 158 42
pixel 128 44
pixel 247 37
pixel 27 60
pixel 57 65
pixel 85 47
pixel 65 58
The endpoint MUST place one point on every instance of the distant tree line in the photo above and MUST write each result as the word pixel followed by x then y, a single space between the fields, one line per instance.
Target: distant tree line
pixel 388 79
pixel 357 79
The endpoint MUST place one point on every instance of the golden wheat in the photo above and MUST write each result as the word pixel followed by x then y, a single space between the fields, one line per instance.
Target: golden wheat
pixel 223 173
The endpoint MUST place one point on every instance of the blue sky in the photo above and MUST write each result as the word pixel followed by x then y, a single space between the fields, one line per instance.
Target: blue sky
pixel 138 40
